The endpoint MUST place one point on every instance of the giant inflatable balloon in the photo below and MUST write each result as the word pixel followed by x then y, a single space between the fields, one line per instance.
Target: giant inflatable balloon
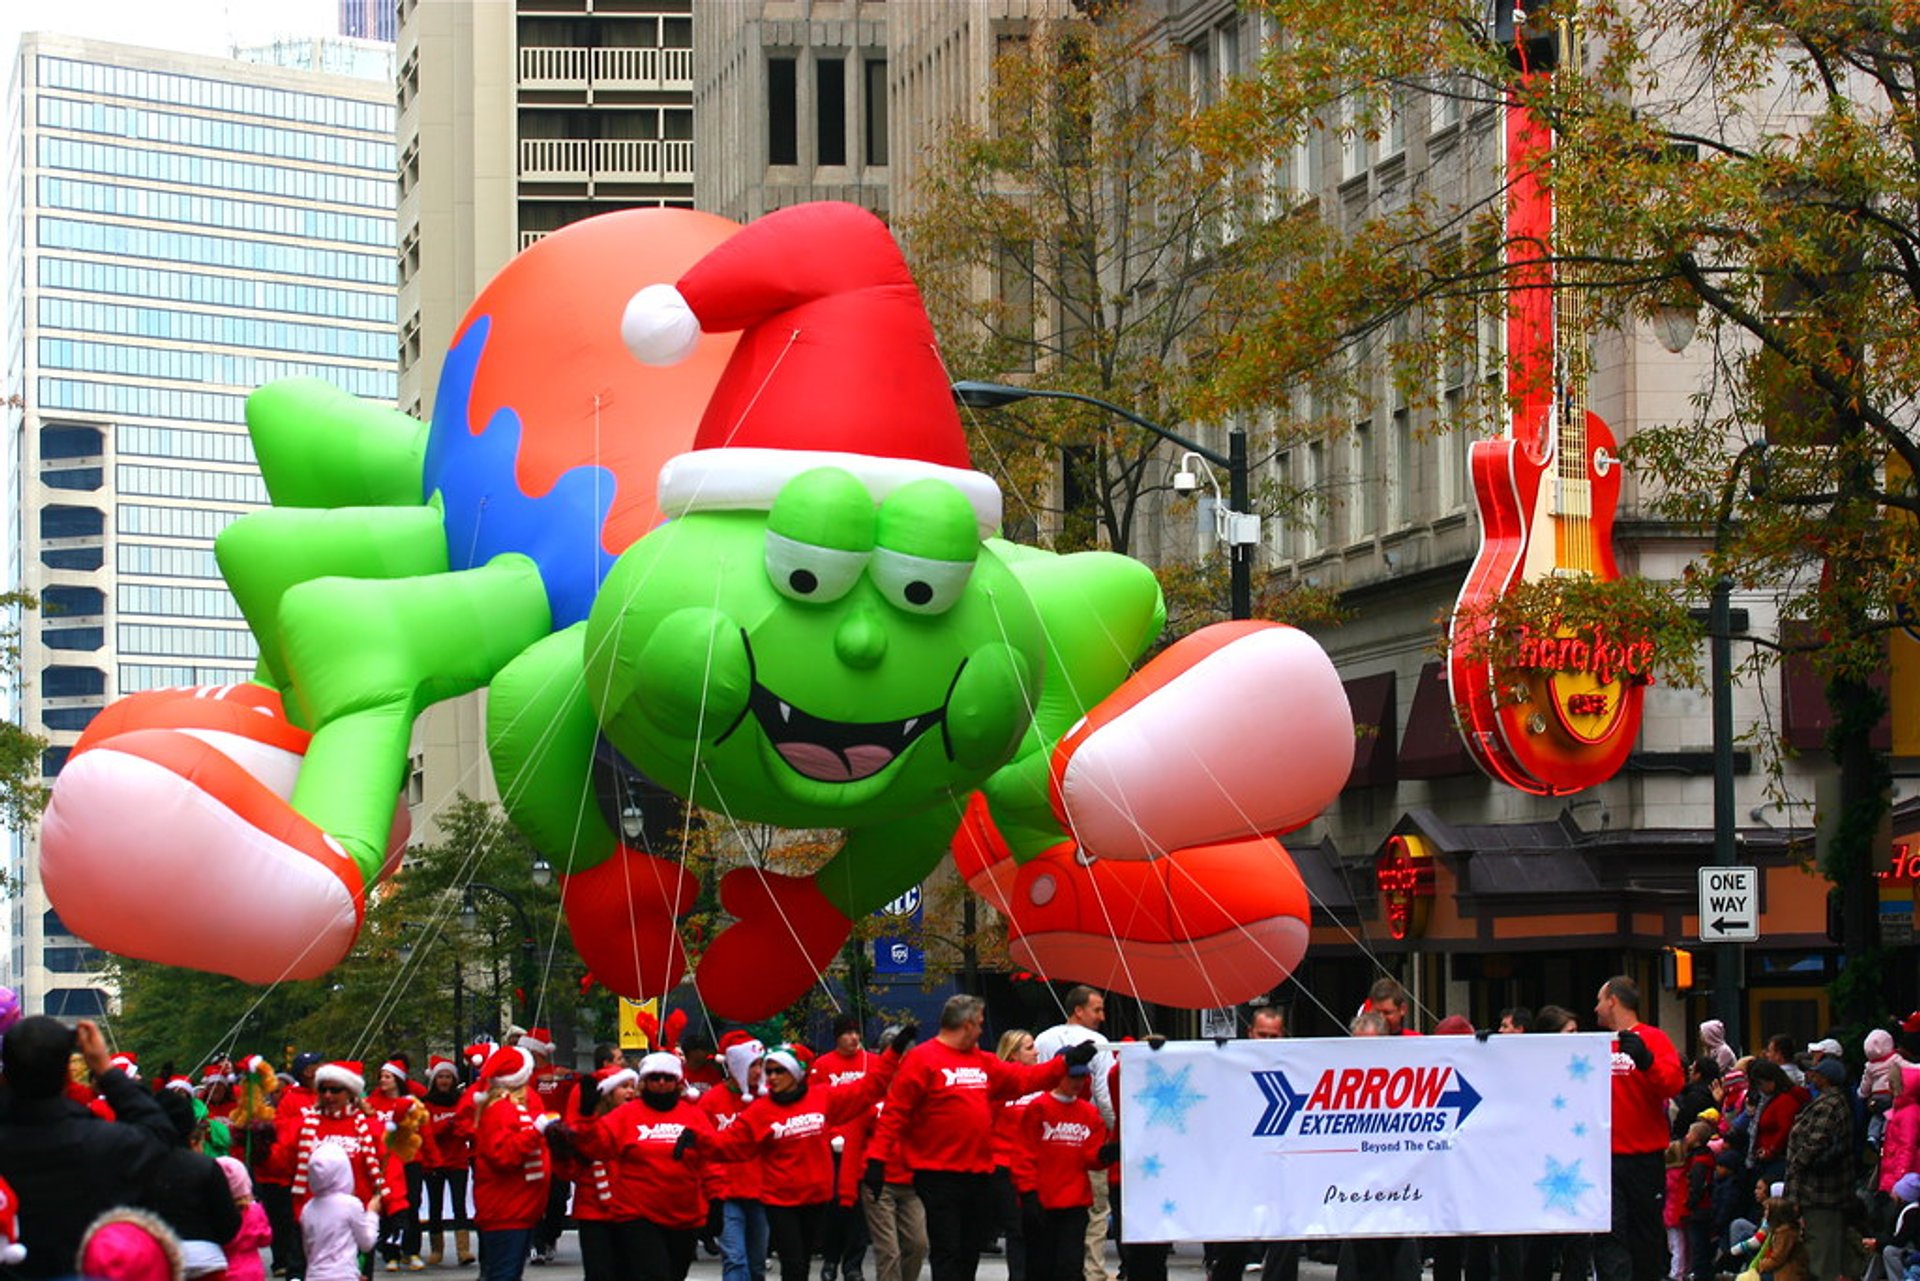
pixel 722 534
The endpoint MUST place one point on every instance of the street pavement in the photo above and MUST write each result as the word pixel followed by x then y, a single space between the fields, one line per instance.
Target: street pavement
pixel 1183 1266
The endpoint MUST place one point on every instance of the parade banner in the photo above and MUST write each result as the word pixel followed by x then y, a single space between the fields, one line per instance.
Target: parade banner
pixel 1365 1137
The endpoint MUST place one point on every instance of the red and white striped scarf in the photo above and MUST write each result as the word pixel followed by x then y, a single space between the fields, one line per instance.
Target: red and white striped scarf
pixel 371 1145
pixel 534 1164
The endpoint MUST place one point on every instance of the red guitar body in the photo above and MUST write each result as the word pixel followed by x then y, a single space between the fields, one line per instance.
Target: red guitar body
pixel 1555 711
pixel 1553 725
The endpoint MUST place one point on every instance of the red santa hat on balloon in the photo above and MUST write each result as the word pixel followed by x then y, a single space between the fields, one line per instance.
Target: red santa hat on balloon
pixel 836 365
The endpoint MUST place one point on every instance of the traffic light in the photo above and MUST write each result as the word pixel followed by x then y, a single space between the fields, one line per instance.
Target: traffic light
pixel 1676 969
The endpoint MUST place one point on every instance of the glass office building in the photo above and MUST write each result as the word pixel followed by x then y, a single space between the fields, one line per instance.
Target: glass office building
pixel 180 230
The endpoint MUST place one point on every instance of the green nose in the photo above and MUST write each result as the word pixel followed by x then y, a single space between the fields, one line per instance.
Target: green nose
pixel 861 639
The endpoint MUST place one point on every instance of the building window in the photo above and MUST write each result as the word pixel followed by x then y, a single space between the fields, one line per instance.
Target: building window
pixel 62 719
pixel 783 112
pixel 1406 467
pixel 72 682
pixel 62 441
pixel 72 602
pixel 76 1002
pixel 71 558
pixel 61 521
pixel 76 638
pixel 874 118
pixel 1365 485
pixel 830 106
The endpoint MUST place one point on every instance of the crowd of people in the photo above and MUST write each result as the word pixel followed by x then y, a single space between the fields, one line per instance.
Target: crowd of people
pixel 1786 1165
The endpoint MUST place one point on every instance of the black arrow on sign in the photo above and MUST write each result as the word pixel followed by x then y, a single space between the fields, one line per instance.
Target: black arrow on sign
pixel 1723 925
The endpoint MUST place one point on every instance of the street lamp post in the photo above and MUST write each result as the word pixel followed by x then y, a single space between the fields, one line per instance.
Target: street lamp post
pixel 1728 966
pixel 522 967
pixel 1239 529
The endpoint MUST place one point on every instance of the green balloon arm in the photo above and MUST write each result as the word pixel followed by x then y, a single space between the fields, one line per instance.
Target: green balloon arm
pixel 877 864
pixel 367 656
pixel 320 447
pixel 264 554
pixel 541 734
pixel 1019 795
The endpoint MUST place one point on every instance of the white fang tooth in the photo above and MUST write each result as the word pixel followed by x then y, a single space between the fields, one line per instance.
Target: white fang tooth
pixel 786 713
pixel 908 727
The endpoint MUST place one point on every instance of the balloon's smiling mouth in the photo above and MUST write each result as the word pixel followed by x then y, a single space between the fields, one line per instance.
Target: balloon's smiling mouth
pixel 835 751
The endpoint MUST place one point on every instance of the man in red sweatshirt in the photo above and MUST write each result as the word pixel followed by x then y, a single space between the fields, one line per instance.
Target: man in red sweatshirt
pixel 939 1118
pixel 1646 1073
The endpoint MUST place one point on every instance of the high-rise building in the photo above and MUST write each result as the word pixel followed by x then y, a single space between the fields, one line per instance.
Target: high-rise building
pixel 369 19
pixel 181 229
pixel 516 119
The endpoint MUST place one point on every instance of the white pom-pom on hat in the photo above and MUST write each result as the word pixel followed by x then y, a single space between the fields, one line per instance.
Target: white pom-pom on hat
pixel 658 326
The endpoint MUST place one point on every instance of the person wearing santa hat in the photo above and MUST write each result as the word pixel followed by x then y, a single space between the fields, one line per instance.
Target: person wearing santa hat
pixel 446 1155
pixel 512 1170
pixel 396 1103
pixel 595 1212
pixel 553 1087
pixel 660 1205
pixel 339 1117
pixel 790 1129
pixel 734 1184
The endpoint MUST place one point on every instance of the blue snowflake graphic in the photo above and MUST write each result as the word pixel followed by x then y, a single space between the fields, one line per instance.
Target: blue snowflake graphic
pixel 1168 1098
pixel 1559 1103
pixel 1169 1209
pixel 1561 1187
pixel 1579 1129
pixel 1579 1067
pixel 1151 1168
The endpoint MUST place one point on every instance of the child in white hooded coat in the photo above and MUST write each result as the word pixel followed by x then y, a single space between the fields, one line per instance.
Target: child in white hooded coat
pixel 336 1228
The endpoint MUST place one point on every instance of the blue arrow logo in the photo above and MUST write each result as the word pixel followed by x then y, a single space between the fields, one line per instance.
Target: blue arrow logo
pixel 1283 1103
pixel 1462 1096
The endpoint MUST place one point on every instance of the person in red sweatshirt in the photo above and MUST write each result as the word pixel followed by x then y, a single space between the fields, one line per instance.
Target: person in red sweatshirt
pixel 939 1117
pixel 1646 1073
pixel 734 1185
pixel 1066 1139
pixel 789 1128
pixel 658 1206
pixel 843 1246
pixel 511 1168
pixel 448 1154
pixel 339 1117
pixel 594 1210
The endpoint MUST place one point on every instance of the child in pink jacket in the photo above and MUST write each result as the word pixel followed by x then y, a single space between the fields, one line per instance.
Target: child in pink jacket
pixel 337 1229
pixel 243 1252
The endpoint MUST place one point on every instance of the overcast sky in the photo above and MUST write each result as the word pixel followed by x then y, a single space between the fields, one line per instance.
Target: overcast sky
pixel 189 26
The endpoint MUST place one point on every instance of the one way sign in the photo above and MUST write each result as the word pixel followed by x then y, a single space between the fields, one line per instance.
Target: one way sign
pixel 1729 904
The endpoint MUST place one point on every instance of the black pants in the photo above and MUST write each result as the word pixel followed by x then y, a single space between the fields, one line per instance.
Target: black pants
pixel 1279 1260
pixel 959 1210
pixel 1010 1217
pixel 1378 1259
pixel 794 1233
pixel 599 1249
pixel 649 1251
pixel 289 1251
pixel 1146 1261
pixel 1636 1249
pixel 1057 1250
pixel 843 1240
pixel 400 1230
pixel 448 1187
pixel 1573 1253
pixel 547 1232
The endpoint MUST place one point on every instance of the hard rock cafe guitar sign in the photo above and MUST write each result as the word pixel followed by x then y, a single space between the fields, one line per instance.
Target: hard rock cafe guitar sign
pixel 1545 708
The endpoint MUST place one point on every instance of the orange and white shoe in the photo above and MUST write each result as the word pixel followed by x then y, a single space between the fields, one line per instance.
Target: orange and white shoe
pixel 1208 925
pixel 170 836
pixel 1238 729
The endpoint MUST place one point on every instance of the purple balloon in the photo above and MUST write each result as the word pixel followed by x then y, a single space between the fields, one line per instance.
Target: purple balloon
pixel 9 1009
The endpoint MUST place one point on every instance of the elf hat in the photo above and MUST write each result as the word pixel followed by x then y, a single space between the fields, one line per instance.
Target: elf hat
pixel 396 1067
pixel 346 1072
pixel 836 365
pixel 511 1067
pixel 437 1063
pixel 11 1251
pixel 784 1057
pixel 612 1077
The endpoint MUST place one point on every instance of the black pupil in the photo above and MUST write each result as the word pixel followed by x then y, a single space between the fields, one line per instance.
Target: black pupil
pixel 919 593
pixel 802 581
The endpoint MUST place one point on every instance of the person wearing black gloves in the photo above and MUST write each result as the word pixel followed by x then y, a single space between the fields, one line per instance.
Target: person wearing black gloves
pixel 938 1119
pixel 1646 1073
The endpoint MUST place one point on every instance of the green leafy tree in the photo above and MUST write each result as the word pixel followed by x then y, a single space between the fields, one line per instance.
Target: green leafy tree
pixel 21 795
pixel 1753 165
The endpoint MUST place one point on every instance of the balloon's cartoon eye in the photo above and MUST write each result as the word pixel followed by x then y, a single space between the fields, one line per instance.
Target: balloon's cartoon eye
pixel 804 572
pixel 918 584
